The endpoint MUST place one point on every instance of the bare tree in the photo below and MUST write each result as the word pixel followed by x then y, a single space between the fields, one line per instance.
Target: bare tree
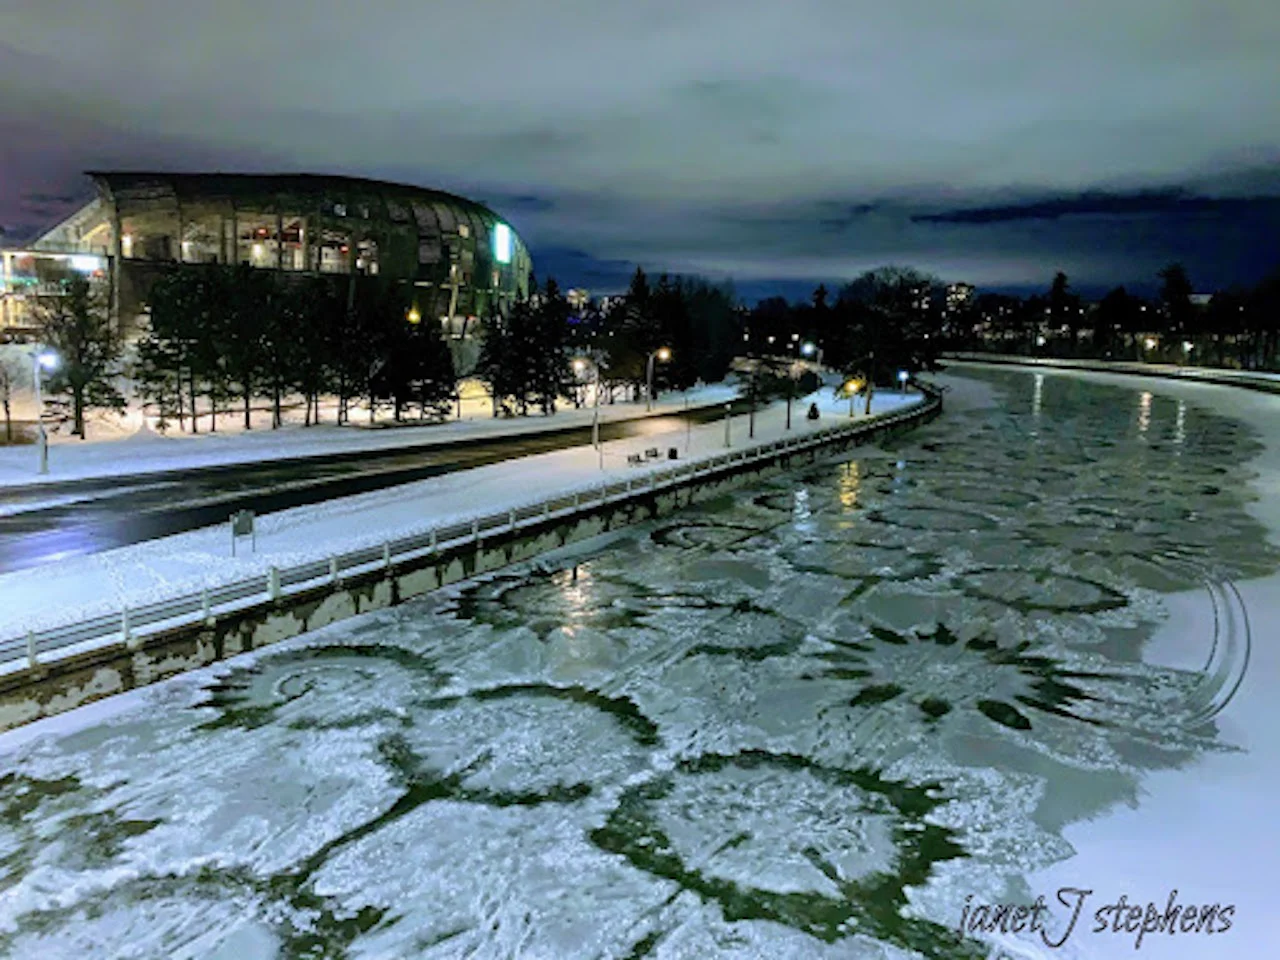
pixel 8 377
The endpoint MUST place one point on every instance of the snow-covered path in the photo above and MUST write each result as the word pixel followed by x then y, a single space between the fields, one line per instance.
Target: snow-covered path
pixel 140 450
pixel 83 586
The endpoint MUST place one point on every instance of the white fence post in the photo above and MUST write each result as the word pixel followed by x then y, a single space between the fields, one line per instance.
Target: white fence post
pixel 511 518
pixel 333 569
pixel 576 495
pixel 546 509
pixel 434 547
pixel 206 611
pixel 125 634
pixel 273 583
pixel 386 554
pixel 475 528
pixel 32 661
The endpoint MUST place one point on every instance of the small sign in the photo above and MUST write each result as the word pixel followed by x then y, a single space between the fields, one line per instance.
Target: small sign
pixel 242 526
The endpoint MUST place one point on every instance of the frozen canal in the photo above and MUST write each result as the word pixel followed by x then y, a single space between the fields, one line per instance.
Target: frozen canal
pixel 806 721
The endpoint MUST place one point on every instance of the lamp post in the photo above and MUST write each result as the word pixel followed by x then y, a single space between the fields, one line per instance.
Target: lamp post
pixel 851 388
pixel 579 366
pixel 791 383
pixel 46 360
pixel 902 382
pixel 688 425
pixel 663 354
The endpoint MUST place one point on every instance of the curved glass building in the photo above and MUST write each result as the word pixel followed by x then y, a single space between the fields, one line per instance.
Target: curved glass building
pixel 460 256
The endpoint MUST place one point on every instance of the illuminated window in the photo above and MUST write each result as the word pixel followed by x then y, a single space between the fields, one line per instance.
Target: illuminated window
pixel 502 243
pixel 464 230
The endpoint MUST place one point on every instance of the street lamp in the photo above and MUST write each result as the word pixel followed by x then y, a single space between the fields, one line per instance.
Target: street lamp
pixel 663 354
pixel 46 360
pixel 902 381
pixel 579 366
pixel 852 388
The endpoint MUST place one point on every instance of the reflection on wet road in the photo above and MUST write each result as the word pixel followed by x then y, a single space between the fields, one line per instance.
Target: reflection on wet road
pixel 89 516
pixel 804 721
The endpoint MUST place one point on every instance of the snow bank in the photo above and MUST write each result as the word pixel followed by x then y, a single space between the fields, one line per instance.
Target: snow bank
pixel 132 447
pixel 101 583
pixel 1207 831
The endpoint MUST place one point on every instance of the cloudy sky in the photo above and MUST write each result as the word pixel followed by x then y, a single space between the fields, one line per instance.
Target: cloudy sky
pixel 780 143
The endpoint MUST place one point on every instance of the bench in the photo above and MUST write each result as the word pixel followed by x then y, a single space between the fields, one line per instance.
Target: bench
pixel 634 460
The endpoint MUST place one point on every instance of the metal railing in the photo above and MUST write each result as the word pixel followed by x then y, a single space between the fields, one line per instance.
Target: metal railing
pixel 130 623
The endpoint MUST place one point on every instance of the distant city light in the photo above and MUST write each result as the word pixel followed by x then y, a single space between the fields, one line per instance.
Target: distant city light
pixel 1188 346
pixel 413 315
pixel 502 243
pixel 664 354
pixel 1040 340
pixel 1149 343
pixel 48 360
pixel 808 349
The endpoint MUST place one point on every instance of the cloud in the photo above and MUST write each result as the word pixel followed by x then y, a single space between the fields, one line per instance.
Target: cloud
pixel 777 139
pixel 1157 203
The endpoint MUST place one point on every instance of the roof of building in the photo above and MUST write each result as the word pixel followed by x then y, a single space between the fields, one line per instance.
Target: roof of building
pixel 193 185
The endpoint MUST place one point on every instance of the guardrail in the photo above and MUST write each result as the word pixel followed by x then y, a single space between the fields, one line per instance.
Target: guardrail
pixel 129 624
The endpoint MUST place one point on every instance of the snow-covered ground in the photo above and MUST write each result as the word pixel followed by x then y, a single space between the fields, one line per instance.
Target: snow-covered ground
pixel 1209 831
pixel 105 582
pixel 740 732
pixel 130 445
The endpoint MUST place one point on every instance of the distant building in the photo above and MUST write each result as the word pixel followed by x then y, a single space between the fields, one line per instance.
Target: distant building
pixel 459 256
pixel 959 296
pixel 578 298
pixel 611 303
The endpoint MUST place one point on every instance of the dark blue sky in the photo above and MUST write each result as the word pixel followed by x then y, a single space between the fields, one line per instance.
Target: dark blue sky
pixel 780 144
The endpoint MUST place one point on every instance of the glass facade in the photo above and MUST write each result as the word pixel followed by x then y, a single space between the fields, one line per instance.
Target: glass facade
pixel 460 257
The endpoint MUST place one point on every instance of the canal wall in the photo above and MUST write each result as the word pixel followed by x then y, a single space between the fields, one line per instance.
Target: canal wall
pixel 1259 381
pixel 46 688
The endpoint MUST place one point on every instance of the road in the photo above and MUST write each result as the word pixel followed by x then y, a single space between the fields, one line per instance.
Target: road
pixel 56 521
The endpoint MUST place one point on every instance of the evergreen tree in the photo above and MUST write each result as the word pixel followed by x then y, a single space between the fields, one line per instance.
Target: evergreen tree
pixel 546 348
pixel 1175 300
pixel 1117 320
pixel 179 335
pixel 1064 310
pixel 500 364
pixel 77 326
pixel 158 375
pixel 418 368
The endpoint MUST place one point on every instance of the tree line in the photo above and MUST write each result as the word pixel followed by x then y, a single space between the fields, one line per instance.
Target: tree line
pixel 223 341
pixel 1238 327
